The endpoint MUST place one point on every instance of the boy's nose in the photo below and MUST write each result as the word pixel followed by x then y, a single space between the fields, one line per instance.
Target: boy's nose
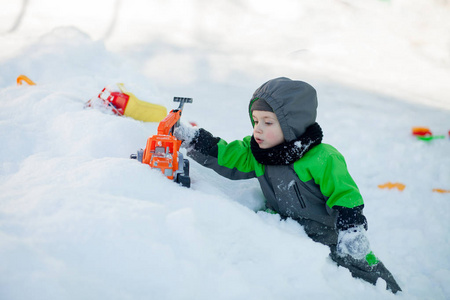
pixel 257 128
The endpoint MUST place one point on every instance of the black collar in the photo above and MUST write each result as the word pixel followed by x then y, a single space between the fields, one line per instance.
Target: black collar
pixel 288 152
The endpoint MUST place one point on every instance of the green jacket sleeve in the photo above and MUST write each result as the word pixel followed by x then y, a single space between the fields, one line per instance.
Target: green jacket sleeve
pixel 234 160
pixel 238 155
pixel 328 169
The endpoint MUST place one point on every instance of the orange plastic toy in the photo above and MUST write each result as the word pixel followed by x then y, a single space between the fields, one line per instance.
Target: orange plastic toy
pixel 421 131
pixel 390 185
pixel 162 149
pixel 442 191
pixel 22 78
pixel 401 187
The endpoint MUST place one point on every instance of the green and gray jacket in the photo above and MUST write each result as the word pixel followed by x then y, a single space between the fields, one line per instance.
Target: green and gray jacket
pixel 316 189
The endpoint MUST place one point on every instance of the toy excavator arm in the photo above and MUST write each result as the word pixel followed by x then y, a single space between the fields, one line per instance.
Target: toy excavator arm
pixel 168 124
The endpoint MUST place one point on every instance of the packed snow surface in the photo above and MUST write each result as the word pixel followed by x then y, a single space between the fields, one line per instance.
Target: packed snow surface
pixel 80 220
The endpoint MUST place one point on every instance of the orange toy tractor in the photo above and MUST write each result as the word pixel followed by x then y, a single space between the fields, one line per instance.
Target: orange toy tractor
pixel 162 150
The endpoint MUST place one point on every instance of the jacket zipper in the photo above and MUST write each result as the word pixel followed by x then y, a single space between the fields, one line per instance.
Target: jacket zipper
pixel 299 196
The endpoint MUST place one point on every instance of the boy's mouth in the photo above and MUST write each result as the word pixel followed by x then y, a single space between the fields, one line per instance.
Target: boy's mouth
pixel 258 140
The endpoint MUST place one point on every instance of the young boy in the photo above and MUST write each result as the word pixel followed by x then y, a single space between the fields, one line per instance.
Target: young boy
pixel 300 177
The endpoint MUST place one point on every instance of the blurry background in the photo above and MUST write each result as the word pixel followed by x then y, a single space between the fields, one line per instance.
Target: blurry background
pixel 395 47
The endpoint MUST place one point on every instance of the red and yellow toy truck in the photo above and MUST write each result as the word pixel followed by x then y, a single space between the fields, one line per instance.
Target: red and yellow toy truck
pixel 162 150
pixel 115 98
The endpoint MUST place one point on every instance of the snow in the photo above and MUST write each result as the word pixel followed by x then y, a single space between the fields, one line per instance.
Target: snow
pixel 186 133
pixel 354 242
pixel 80 220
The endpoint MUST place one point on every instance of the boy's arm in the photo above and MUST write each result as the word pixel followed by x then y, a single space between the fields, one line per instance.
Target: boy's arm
pixel 350 217
pixel 233 161
pixel 205 143
pixel 339 187
pixel 345 196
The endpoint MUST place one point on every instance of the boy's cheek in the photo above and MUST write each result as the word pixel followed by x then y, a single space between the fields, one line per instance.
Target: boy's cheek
pixel 271 136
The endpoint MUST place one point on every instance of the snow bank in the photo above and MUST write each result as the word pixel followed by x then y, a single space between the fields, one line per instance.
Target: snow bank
pixel 79 219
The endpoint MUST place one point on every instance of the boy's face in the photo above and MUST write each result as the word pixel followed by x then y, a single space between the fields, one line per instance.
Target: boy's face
pixel 267 130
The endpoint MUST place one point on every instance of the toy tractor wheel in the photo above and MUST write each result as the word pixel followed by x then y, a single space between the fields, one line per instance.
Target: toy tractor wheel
pixel 184 178
pixel 138 156
pixel 186 167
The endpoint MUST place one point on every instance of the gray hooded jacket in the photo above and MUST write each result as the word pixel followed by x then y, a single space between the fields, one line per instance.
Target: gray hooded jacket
pixel 308 190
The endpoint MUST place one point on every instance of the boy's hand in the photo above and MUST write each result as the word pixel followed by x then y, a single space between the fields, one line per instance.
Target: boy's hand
pixel 185 133
pixel 353 242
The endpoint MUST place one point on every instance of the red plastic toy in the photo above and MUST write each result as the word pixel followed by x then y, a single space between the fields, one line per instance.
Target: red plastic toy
pixel 424 134
pixel 421 131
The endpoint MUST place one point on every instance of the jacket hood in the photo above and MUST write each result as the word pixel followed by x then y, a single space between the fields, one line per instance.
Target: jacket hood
pixel 294 103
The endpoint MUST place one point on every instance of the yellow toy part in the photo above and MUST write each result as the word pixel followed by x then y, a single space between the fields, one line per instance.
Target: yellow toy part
pixel 142 110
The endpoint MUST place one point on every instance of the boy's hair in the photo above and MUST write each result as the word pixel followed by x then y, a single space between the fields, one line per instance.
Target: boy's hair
pixel 261 104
